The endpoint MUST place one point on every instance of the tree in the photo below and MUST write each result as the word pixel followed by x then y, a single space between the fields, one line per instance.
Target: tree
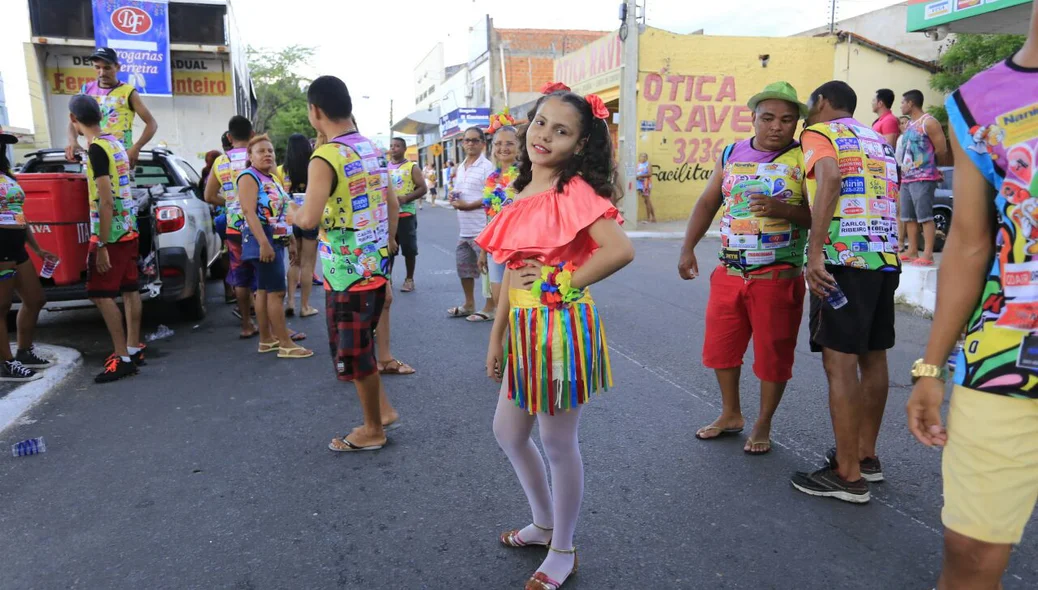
pixel 967 56
pixel 281 93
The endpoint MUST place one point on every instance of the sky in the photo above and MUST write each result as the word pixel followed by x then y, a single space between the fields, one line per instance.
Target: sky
pixel 375 49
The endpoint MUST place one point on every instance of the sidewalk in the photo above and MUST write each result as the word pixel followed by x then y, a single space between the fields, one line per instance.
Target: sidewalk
pixel 22 398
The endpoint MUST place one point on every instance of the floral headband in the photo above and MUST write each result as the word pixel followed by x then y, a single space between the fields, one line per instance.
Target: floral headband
pixel 598 107
pixel 503 119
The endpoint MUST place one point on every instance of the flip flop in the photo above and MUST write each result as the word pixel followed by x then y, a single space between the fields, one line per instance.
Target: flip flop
pixel 753 443
pixel 265 347
pixel 906 258
pixel 309 312
pixel 922 262
pixel 722 432
pixel 293 353
pixel 480 316
pixel 459 312
pixel 296 336
pixel 408 286
pixel 392 425
pixel 341 445
pixel 252 334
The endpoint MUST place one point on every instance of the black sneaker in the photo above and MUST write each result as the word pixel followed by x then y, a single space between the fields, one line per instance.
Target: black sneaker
pixel 138 357
pixel 16 371
pixel 827 483
pixel 30 358
pixel 115 368
pixel 870 468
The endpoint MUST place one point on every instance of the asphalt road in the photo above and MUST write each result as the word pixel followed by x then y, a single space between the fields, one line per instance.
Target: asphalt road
pixel 209 470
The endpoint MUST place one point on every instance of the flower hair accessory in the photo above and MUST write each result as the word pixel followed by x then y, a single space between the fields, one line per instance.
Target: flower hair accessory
pixel 555 287
pixel 554 87
pixel 502 119
pixel 598 107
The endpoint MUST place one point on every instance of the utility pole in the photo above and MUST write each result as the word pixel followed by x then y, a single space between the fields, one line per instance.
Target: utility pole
pixel 832 16
pixel 628 156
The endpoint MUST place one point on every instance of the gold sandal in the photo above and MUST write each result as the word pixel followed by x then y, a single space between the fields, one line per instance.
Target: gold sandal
pixel 541 581
pixel 511 538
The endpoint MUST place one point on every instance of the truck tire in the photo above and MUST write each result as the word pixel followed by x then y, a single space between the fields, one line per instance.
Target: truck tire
pixel 193 308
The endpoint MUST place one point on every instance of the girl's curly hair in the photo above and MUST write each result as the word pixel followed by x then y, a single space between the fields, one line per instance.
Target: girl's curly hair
pixel 595 163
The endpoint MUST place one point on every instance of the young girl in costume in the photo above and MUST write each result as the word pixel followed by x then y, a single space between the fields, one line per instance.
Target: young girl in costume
pixel 499 191
pixel 560 235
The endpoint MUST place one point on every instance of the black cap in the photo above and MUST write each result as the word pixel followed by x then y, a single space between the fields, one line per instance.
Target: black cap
pixel 106 53
pixel 85 109
pixel 6 138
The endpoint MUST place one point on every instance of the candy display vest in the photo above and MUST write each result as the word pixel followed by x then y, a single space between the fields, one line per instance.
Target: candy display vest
pixel 271 207
pixel 227 168
pixel 403 183
pixel 354 239
pixel 116 113
pixel 124 217
pixel 863 232
pixel 12 200
pixel 750 243
pixel 995 119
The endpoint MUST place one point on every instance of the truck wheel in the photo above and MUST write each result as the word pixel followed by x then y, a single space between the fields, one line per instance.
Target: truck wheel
pixel 193 308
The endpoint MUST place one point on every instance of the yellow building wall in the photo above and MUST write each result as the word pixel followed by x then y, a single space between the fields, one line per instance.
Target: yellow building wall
pixel 868 70
pixel 692 94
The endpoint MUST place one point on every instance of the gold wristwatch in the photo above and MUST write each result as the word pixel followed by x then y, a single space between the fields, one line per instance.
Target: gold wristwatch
pixel 921 369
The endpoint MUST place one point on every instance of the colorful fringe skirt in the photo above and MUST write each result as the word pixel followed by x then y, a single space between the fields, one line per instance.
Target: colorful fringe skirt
pixel 557 358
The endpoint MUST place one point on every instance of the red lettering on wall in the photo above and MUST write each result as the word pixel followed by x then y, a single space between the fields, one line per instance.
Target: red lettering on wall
pixel 742 120
pixel 653 88
pixel 668 113
pixel 699 87
pixel 716 122
pixel 727 89
pixel 696 119
pixel 674 81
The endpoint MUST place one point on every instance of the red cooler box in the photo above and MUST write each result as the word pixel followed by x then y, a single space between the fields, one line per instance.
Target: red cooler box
pixel 58 209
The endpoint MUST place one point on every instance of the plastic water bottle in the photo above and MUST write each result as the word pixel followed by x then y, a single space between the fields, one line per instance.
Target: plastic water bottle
pixel 836 299
pixel 33 446
pixel 49 265
pixel 163 331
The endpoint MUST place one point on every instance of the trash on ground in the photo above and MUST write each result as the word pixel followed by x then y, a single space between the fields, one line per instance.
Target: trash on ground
pixel 163 331
pixel 33 446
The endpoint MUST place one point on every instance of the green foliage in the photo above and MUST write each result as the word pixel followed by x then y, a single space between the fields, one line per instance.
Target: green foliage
pixel 280 93
pixel 967 56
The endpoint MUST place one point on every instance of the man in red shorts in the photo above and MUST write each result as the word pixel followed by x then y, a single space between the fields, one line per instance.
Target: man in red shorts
pixel 112 261
pixel 758 289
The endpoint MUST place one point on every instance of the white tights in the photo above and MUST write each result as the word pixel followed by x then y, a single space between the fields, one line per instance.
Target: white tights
pixel 512 428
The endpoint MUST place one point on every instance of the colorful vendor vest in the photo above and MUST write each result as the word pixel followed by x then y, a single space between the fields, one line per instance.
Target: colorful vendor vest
pixel 227 167
pixel 403 183
pixel 271 206
pixel 12 200
pixel 354 241
pixel 124 218
pixel 750 243
pixel 116 113
pixel 995 119
pixel 863 232
pixel 920 160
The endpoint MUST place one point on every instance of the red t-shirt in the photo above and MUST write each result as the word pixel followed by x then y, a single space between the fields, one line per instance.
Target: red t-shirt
pixel 886 125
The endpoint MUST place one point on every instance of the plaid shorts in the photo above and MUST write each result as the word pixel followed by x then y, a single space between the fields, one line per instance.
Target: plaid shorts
pixel 352 319
pixel 467 258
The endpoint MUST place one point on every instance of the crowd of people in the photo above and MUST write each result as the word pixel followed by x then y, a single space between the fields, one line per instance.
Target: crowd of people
pixel 817 215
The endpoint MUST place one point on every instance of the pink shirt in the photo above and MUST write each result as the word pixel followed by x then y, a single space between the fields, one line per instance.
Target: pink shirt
pixel 886 125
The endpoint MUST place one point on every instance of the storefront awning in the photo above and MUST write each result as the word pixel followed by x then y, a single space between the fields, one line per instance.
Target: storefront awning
pixel 970 16
pixel 419 122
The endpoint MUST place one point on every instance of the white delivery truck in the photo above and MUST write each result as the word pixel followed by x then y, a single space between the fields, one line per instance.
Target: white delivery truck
pixel 210 73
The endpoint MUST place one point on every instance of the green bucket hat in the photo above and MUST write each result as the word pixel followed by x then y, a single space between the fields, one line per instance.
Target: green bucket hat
pixel 781 91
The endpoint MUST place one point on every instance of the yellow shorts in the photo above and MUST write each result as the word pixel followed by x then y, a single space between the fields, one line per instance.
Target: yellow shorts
pixel 990 466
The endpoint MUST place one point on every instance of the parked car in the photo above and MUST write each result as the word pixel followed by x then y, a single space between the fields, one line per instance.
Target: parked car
pixel 178 242
pixel 942 209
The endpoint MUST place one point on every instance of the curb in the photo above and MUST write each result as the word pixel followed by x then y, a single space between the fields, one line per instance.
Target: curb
pixel 24 397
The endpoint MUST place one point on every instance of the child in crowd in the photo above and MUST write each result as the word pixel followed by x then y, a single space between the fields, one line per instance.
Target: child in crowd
pixel 560 235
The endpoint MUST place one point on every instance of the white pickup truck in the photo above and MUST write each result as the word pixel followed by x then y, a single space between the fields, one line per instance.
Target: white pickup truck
pixel 177 239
